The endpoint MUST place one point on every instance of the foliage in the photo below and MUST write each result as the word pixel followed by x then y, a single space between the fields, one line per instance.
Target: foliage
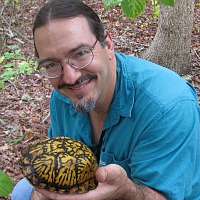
pixel 14 63
pixel 15 141
pixel 6 184
pixel 156 8
pixel 133 8
pixel 13 2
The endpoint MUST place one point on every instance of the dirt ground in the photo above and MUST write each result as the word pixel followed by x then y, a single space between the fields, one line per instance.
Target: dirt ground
pixel 24 103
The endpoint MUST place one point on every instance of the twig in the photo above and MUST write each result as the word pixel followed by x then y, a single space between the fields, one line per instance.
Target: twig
pixel 45 118
pixel 20 41
pixel 9 81
pixel 196 55
pixel 17 31
pixel 3 7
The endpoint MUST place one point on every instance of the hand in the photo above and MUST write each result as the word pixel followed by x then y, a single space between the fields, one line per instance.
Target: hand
pixel 37 196
pixel 112 184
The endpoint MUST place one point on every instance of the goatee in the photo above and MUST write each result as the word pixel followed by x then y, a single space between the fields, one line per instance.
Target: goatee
pixel 84 106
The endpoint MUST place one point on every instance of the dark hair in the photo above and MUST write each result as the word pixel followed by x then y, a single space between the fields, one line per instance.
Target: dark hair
pixel 56 9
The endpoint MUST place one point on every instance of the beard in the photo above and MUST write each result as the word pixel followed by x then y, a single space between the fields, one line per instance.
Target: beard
pixel 84 105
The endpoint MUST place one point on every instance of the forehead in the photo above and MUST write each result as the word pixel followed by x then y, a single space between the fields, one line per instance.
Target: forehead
pixel 59 33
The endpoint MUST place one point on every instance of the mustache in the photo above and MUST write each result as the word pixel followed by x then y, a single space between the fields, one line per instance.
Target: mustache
pixel 78 81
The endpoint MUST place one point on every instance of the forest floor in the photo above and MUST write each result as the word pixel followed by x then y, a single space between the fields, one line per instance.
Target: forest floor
pixel 24 103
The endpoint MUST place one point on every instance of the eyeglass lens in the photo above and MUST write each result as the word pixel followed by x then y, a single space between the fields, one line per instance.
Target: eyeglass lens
pixel 79 59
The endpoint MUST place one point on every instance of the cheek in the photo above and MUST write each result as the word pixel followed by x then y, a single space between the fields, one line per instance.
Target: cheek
pixel 54 82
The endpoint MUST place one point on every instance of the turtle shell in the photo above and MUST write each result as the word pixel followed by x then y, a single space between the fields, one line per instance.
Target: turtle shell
pixel 60 164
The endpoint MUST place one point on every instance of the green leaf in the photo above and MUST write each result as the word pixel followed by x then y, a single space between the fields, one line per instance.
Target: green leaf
pixel 23 66
pixel 155 8
pixel 133 8
pixel 32 62
pixel 8 74
pixel 12 47
pixel 29 70
pixel 6 184
pixel 2 86
pixel 110 3
pixel 18 51
pixel 154 2
pixel 15 141
pixel 1 59
pixel 167 2
pixel 25 97
pixel 8 65
pixel 20 57
pixel 8 55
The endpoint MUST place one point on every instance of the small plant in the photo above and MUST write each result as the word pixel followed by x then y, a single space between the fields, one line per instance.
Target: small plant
pixel 6 184
pixel 155 9
pixel 134 8
pixel 14 63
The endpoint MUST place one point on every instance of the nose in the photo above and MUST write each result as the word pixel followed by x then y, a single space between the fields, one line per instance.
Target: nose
pixel 70 74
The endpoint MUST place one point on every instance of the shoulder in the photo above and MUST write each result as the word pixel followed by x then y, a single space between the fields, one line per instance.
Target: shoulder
pixel 152 82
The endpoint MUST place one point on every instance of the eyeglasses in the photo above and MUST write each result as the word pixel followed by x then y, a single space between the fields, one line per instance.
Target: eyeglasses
pixel 79 59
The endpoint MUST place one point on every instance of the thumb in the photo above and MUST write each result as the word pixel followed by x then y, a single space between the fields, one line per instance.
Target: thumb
pixel 110 173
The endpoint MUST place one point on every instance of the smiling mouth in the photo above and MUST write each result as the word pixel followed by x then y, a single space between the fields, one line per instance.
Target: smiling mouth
pixel 79 83
pixel 78 87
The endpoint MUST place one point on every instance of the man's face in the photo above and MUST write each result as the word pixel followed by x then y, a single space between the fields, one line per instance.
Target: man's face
pixel 88 87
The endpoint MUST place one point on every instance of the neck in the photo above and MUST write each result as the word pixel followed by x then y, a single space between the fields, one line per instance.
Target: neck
pixel 98 115
pixel 97 122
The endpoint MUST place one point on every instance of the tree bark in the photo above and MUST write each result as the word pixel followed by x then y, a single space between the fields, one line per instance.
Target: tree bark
pixel 171 44
pixel 1 26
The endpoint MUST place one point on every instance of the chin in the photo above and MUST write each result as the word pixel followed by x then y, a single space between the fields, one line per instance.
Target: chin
pixel 84 105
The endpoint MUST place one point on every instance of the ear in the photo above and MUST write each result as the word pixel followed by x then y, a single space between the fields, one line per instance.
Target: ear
pixel 109 44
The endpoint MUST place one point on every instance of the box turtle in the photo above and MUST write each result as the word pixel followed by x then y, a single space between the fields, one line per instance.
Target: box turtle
pixel 60 164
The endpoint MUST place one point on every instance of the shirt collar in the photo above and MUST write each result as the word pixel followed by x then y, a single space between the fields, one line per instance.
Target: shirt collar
pixel 123 98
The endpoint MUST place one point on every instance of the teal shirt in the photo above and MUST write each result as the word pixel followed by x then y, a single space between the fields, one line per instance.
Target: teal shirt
pixel 152 128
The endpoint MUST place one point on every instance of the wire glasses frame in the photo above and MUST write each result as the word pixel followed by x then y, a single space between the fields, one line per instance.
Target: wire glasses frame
pixel 79 59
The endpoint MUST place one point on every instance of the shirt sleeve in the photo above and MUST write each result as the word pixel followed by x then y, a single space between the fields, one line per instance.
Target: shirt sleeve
pixel 166 153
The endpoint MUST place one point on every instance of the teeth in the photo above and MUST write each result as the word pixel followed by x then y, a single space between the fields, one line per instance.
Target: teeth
pixel 78 87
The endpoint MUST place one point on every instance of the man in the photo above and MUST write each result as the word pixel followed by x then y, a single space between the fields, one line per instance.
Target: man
pixel 144 118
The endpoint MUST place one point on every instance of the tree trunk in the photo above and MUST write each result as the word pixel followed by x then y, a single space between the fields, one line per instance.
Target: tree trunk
pixel 171 44
pixel 1 42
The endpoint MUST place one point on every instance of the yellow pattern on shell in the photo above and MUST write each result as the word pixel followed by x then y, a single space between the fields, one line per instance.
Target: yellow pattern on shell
pixel 60 164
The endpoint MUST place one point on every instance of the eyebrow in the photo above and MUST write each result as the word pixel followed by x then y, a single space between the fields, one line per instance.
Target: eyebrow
pixel 81 45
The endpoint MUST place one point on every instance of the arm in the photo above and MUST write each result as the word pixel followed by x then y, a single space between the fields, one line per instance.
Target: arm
pixel 113 176
pixel 113 184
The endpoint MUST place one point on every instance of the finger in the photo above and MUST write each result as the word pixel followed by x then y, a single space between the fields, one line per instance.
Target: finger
pixel 49 194
pixel 110 173
pixel 58 196
pixel 38 196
